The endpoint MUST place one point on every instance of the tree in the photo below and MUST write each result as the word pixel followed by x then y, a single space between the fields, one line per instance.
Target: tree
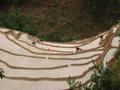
pixel 102 9
pixel 4 3
pixel 58 10
pixel 101 80
pixel 48 3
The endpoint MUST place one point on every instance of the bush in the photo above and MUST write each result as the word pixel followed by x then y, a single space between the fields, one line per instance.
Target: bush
pixel 15 20
pixel 29 29
pixel 6 3
pixel 55 36
pixel 101 80
pixel 2 73
pixel 101 9
pixel 116 66
pixel 42 37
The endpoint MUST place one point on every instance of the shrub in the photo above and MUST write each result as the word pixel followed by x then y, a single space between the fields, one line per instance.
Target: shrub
pixel 6 3
pixel 101 80
pixel 42 37
pixel 29 29
pixel 15 20
pixel 1 73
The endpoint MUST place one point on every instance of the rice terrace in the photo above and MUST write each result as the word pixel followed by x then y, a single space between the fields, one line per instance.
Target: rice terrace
pixel 59 44
pixel 47 63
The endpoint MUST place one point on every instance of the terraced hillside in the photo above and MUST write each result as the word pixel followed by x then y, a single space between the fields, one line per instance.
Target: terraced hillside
pixel 32 64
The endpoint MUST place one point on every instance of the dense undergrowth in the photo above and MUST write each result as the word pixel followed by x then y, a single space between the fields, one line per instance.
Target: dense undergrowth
pixel 15 20
pixel 116 66
pixel 101 79
pixel 74 19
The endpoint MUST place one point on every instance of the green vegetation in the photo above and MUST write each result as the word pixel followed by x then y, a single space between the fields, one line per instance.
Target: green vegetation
pixel 15 20
pixel 100 9
pixel 2 73
pixel 102 79
pixel 116 66
pixel 59 20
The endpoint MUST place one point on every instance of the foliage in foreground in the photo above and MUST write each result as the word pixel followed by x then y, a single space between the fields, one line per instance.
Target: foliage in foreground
pixel 101 80
pixel 116 66
pixel 2 73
